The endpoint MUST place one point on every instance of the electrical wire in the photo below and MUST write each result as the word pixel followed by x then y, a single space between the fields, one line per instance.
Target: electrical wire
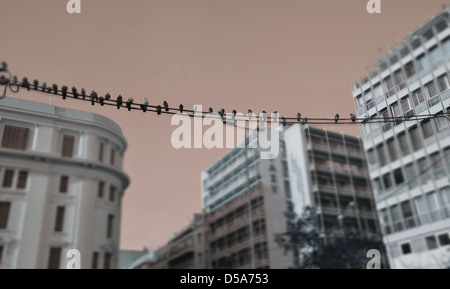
pixel 120 102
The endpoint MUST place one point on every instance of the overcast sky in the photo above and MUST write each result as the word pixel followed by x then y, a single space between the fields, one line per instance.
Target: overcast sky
pixel 286 55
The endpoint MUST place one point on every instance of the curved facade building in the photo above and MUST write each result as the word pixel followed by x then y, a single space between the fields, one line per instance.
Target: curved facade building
pixel 61 186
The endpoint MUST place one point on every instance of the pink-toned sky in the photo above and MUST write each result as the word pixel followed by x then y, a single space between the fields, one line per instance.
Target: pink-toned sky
pixel 286 55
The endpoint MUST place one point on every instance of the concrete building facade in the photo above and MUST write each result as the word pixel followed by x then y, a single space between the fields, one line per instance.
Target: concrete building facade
pixel 61 186
pixel 183 251
pixel 315 168
pixel 405 98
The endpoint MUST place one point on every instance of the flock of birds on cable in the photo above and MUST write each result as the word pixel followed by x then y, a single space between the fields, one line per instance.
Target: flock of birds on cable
pixel 93 97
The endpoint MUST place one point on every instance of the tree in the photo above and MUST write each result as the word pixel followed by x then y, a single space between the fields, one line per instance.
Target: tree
pixel 312 249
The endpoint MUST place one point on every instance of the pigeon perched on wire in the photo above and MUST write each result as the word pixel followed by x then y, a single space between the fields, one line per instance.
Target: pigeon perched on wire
pixel 74 92
pixel 64 91
pixel 181 108
pixel 35 84
pixel 144 105
pixel 129 103
pixel 353 117
pixel 336 118
pixel 25 83
pixel 166 106
pixel 119 101
pixel 299 116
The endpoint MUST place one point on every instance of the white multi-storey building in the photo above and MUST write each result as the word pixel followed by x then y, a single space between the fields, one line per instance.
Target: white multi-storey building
pixel 406 97
pixel 315 167
pixel 61 186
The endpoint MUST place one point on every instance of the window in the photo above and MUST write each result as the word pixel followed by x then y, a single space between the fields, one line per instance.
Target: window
pixel 54 258
pixel 398 76
pixel 360 101
pixel 59 223
pixel 434 54
pixel 107 261
pixel 273 178
pixel 408 214
pixel 403 143
pixel 396 219
pixel 428 34
pixel 422 211
pixel 444 240
pixel 427 128
pixel 287 189
pixel 432 204
pixel 431 242
pixel 5 208
pixel 377 184
pixel 387 181
pixel 406 104
pixel 406 248
pixel 437 163
pixel 15 137
pixel 101 188
pixel 392 149
pixel 112 193
pixel 381 156
pixel 445 196
pixel 285 168
pixel 377 90
pixel 410 70
pixel 100 152
pixel 432 91
pixel 64 184
pixel 415 138
pixel 398 176
pixel 423 63
pixel 95 256
pixel 68 145
pixel 113 155
pixel 423 170
pixel 371 154
pixel 8 178
pixel 389 86
pixel 396 112
pixel 441 26
pixel 446 46
pixel 22 180
pixel 1 254
pixel 443 83
pixel 417 97
pixel 441 122
pixel 109 232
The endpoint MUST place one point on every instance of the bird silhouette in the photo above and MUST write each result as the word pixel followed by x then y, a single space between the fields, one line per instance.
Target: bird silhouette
pixel 55 88
pixel 299 116
pixel 64 91
pixel 102 100
pixel 119 101
pixel 129 103
pixel 166 106
pixel 83 93
pixel 144 105
pixel 35 84
pixel 353 117
pixel 74 92
pixel 107 96
pixel 25 83
pixel 210 110
pixel 336 118
pixel 181 108
pixel 305 120
pixel 250 112
pixel 158 109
